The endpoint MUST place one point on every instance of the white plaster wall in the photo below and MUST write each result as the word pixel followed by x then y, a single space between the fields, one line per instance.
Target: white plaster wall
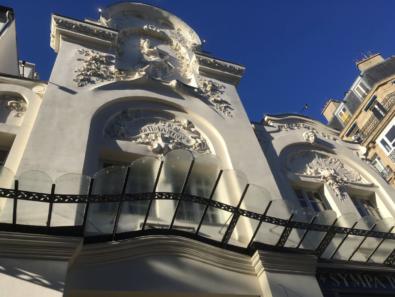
pixel 166 273
pixel 33 278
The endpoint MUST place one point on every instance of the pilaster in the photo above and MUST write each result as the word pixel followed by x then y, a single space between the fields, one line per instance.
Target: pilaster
pixel 285 274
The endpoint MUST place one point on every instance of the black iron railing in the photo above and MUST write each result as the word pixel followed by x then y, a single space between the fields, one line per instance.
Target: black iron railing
pixel 103 214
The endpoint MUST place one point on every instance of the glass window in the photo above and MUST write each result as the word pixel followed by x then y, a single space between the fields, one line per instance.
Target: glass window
pixel 385 145
pixel 370 104
pixel 360 90
pixel 311 199
pixel 387 139
pixel 366 207
pixel 390 135
pixel 344 115
pixel 3 156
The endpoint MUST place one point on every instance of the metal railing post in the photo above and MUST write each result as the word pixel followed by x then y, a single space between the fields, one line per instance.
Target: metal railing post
pixel 114 232
pixel 152 197
pixel 259 224
pixel 50 208
pixel 90 189
pixel 235 218
pixel 343 240
pixel 208 202
pixel 182 194
pixel 15 204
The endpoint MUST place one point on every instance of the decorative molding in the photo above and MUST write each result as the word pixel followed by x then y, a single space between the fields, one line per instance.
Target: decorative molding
pixel 327 168
pixel 40 90
pixel 18 106
pixel 269 261
pixel 295 122
pixel 67 25
pixel 160 133
pixel 164 136
pixel 38 246
pixel 210 62
pixel 159 245
pixel 14 103
pixel 213 93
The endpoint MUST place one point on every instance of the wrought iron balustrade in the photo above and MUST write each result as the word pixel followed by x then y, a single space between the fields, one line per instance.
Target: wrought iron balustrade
pixel 187 196
pixel 323 235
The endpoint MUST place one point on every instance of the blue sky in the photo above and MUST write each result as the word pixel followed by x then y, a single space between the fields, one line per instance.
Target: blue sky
pixel 295 51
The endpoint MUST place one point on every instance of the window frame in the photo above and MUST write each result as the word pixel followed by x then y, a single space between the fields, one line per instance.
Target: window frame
pixel 387 142
pixel 366 206
pixel 307 199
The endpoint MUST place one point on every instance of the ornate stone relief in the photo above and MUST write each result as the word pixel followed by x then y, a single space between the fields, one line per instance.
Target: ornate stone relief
pixel 309 136
pixel 14 103
pixel 161 133
pixel 96 67
pixel 325 167
pixel 301 125
pixel 160 53
pixel 18 106
pixel 212 92
pixel 152 48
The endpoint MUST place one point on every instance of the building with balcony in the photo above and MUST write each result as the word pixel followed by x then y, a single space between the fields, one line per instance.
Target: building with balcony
pixel 135 171
pixel 366 113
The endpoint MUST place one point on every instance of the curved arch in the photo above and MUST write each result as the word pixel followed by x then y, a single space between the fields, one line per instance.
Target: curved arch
pixel 355 164
pixel 140 9
pixel 107 111
pixel 34 101
pixel 345 171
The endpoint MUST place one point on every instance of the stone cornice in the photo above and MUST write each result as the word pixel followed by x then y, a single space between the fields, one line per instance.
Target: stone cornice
pixel 70 27
pixel 37 246
pixel 345 265
pixel 284 263
pixel 294 121
pixel 149 246
pixel 212 67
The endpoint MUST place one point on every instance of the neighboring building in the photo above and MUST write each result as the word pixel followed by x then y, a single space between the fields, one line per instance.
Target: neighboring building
pixel 367 113
pixel 135 171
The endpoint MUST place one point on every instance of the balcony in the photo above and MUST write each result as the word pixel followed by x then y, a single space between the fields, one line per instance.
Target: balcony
pixel 187 196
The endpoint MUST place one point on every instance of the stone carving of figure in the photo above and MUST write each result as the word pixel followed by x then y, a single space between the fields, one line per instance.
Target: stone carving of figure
pixel 309 136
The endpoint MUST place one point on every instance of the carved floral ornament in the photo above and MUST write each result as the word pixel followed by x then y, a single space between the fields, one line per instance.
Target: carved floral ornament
pixel 327 168
pixel 149 51
pixel 161 132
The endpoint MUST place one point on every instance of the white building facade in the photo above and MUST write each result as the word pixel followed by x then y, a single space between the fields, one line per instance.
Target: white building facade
pixel 135 171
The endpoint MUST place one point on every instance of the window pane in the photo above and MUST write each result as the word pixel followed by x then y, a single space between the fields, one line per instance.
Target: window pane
pixel 366 207
pixel 301 198
pixel 391 134
pixel 385 145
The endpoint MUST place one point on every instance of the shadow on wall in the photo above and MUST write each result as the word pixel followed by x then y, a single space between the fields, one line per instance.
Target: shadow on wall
pixel 44 273
pixel 164 273
pixel 275 165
